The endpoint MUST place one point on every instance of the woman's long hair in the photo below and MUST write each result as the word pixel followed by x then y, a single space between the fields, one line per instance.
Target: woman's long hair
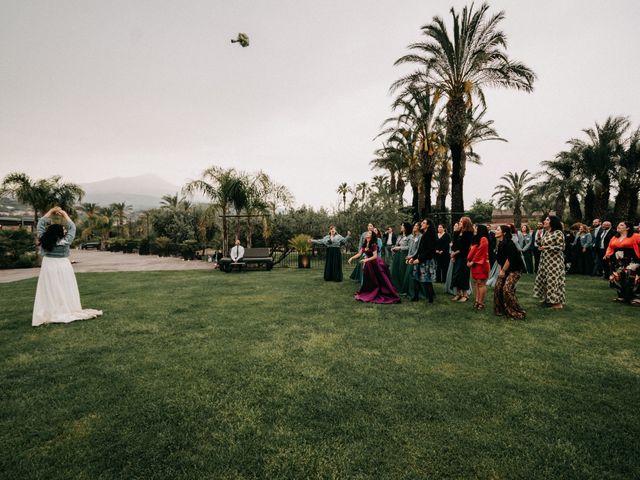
pixel 432 235
pixel 506 232
pixel 466 225
pixel 629 232
pixel 554 223
pixel 408 228
pixel 51 235
pixel 481 231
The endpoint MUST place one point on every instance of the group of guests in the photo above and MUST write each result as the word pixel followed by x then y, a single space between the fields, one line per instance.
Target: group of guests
pixel 390 266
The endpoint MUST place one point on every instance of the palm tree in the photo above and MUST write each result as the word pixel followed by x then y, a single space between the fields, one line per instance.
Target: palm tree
pixel 600 155
pixel 175 202
pixel 41 194
pixel 401 146
pixel 418 114
pixel 362 189
pixel 225 189
pixel 560 181
pixel 514 193
pixel 458 66
pixel 343 189
pixel 90 209
pixel 120 211
pixel 628 179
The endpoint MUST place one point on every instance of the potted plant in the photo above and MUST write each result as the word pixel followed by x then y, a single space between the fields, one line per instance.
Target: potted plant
pixel 302 244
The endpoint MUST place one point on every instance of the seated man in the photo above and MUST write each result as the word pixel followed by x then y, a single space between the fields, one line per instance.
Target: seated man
pixel 237 252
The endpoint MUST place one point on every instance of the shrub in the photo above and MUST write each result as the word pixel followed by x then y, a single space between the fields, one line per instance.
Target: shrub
pixel 188 249
pixel 301 243
pixel 13 245
pixel 162 246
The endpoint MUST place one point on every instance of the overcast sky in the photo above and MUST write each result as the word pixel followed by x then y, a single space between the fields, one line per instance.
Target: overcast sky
pixel 96 89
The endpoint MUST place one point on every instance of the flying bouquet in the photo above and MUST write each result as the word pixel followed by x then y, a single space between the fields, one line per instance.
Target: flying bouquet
pixel 243 39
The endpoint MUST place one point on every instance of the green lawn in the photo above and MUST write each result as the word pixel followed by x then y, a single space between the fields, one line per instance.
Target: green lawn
pixel 192 375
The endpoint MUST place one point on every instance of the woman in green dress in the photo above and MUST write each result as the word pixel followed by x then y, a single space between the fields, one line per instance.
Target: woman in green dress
pixel 333 261
pixel 399 261
pixel 407 279
pixel 549 286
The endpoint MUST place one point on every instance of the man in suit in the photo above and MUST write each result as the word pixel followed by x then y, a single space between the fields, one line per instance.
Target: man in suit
pixel 596 228
pixel 388 242
pixel 537 238
pixel 605 235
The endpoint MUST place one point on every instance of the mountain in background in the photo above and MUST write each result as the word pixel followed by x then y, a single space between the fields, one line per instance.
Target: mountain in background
pixel 142 191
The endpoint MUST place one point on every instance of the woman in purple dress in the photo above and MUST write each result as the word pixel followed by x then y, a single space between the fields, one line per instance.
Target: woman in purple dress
pixel 376 285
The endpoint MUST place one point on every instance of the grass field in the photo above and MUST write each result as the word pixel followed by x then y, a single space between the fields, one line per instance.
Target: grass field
pixel 278 374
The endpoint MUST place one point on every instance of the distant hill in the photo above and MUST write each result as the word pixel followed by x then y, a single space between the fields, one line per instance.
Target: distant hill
pixel 142 191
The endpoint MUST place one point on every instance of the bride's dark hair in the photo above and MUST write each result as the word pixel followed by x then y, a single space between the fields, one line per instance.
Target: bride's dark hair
pixel 51 235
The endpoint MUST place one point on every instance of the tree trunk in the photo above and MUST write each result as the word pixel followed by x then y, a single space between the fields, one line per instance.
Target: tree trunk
pixel 443 187
pixel 400 185
pixel 623 203
pixel 457 201
pixel 601 201
pixel 456 124
pixel 517 216
pixel 589 204
pixel 415 202
pixel 427 208
pixel 249 232
pixel 633 204
pixel 574 208
pixel 559 205
pixel 225 232
pixel 392 182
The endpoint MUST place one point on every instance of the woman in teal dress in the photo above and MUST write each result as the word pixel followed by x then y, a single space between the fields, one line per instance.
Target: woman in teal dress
pixel 398 263
pixel 356 274
pixel 333 261
pixel 407 279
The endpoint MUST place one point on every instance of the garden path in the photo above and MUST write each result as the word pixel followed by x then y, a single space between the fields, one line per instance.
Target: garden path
pixel 97 261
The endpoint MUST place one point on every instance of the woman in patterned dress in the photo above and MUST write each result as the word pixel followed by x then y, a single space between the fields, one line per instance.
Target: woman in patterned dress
pixel 550 281
pixel 511 266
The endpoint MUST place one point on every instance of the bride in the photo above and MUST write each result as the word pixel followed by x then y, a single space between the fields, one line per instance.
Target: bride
pixel 57 297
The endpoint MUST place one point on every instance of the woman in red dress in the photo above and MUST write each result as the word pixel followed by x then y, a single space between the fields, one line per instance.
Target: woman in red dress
pixel 478 261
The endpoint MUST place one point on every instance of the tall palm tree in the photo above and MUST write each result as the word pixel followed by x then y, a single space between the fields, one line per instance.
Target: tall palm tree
pixel 225 189
pixel 342 190
pixel 514 193
pixel 459 65
pixel 417 105
pixel 41 194
pixel 601 153
pixel 628 179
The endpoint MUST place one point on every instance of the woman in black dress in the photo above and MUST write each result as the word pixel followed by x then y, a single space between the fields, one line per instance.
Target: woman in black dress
pixel 461 272
pixel 442 254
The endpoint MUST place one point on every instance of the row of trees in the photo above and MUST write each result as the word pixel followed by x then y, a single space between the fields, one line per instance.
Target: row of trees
pixel 579 183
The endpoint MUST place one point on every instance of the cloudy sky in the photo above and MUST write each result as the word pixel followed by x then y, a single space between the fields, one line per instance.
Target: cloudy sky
pixel 95 89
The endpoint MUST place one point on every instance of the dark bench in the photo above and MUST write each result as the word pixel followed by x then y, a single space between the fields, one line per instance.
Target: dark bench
pixel 88 245
pixel 252 256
